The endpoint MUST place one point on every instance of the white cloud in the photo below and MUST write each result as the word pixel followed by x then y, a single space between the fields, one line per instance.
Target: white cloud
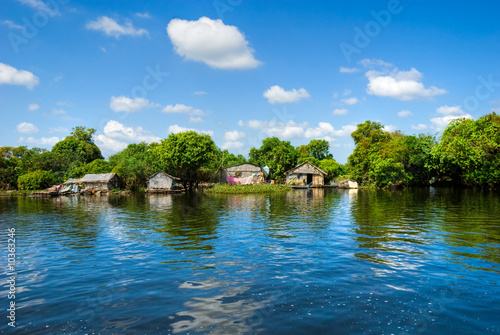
pixel 390 128
pixel 291 130
pixel 27 128
pixel 33 107
pixel 420 126
pixel 117 136
pixel 112 28
pixel 41 6
pixel 340 111
pixel 178 129
pixel 195 119
pixel 440 123
pixel 200 93
pixel 11 24
pixel 212 42
pixel 401 85
pixel 232 139
pixel 350 101
pixel 143 15
pixel 12 76
pixel 450 110
pixel 495 102
pixel 128 105
pixel 43 141
pixel 277 95
pixel 346 92
pixel 374 62
pixel 182 109
pixel 348 70
pixel 405 113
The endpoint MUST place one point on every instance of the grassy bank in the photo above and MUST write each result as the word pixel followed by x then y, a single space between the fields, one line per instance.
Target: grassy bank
pixel 247 189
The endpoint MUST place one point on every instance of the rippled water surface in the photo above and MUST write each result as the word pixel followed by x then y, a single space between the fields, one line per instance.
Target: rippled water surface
pixel 305 262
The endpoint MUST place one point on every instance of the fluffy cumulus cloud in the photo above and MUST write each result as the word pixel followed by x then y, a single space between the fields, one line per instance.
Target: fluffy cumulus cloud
pixel 405 113
pixel 43 142
pixel 182 109
pixel 450 110
pixel 233 139
pixel 450 113
pixel 212 42
pixel 277 95
pixel 129 105
pixel 112 28
pixel 401 85
pixel 27 128
pixel 178 129
pixel 12 76
pixel 117 136
pixel 291 130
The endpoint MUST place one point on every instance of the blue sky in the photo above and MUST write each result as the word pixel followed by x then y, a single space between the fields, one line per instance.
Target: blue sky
pixel 242 70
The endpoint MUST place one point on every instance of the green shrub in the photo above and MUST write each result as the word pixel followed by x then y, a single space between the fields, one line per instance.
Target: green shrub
pixel 36 180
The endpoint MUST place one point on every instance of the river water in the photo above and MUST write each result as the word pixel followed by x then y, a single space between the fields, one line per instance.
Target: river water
pixel 423 261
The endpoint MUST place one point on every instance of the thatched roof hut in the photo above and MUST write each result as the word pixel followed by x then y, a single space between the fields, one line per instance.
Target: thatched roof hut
pixel 306 173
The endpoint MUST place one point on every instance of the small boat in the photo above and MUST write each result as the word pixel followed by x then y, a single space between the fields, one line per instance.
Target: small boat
pixel 298 187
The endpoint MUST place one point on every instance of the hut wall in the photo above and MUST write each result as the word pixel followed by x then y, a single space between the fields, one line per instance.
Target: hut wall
pixel 160 182
pixel 240 171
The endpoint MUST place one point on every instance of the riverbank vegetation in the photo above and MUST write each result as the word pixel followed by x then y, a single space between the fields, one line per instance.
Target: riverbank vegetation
pixel 247 189
pixel 466 154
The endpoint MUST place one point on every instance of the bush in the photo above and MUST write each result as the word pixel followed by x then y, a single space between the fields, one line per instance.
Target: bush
pixel 36 180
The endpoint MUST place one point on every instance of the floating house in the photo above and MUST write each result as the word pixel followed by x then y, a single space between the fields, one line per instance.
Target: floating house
pixel 162 182
pixel 306 173
pixel 98 182
pixel 245 173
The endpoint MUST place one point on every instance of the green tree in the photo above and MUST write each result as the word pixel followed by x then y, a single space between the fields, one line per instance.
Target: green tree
pixel 319 149
pixel 186 154
pixel 134 164
pixel 279 156
pixel 36 180
pixel 469 151
pixel 331 167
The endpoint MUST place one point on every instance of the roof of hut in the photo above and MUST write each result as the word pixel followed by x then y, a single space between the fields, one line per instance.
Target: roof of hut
pixel 154 174
pixel 99 177
pixel 300 165
pixel 233 166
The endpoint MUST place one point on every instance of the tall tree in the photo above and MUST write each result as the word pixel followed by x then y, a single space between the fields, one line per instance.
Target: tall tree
pixel 186 154
pixel 279 156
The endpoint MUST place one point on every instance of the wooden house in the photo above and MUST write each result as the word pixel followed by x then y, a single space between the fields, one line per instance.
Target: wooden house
pixel 161 182
pixel 100 182
pixel 241 171
pixel 306 173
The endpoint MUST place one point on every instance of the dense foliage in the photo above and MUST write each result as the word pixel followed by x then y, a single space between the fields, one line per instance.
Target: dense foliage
pixel 468 153
pixel 386 158
pixel 135 164
pixel 278 155
pixel 36 180
pixel 186 154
